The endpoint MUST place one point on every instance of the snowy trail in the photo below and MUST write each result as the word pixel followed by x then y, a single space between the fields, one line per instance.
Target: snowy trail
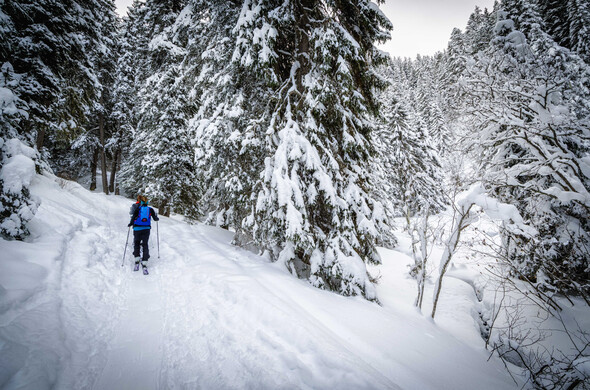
pixel 112 315
pixel 209 315
pixel 196 321
pixel 136 347
pixel 217 324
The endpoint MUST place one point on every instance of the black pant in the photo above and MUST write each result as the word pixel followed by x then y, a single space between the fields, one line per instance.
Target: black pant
pixel 141 237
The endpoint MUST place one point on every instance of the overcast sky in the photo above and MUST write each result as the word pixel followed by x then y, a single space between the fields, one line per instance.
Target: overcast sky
pixel 419 26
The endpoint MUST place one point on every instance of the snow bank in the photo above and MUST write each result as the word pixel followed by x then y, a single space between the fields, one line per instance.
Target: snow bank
pixel 19 167
pixel 17 173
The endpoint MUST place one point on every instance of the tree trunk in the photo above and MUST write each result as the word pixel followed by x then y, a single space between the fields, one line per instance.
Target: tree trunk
pixel 103 162
pixel 462 221
pixel 114 168
pixel 423 237
pixel 93 166
pixel 40 138
pixel 303 31
pixel 164 209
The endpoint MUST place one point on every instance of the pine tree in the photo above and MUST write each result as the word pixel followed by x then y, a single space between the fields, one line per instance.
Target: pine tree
pixel 167 167
pixel 48 76
pixel 53 66
pixel 431 105
pixel 227 99
pixel 578 12
pixel 478 32
pixel 81 153
pixel 452 68
pixel 16 205
pixel 568 23
pixel 410 159
pixel 103 21
pixel 154 52
pixel 302 95
pixel 124 98
pixel 133 57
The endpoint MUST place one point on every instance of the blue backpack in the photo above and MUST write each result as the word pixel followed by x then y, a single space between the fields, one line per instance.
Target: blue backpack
pixel 143 216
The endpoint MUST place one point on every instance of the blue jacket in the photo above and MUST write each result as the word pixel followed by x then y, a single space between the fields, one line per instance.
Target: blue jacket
pixel 135 213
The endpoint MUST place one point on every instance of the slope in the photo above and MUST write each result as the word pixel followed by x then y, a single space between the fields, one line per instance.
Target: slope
pixel 209 316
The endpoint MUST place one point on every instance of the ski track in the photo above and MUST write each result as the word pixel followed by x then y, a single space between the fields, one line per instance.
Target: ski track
pixel 114 309
pixel 196 322
pixel 235 340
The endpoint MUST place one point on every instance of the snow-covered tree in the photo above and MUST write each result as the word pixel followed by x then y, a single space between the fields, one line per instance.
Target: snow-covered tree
pixel 408 166
pixel 17 160
pixel 103 21
pixel 124 99
pixel 529 99
pixel 297 119
pixel 81 153
pixel 478 32
pixel 155 53
pixel 431 93
pixel 408 157
pixel 131 75
pixel 46 67
pixel 224 173
pixel 568 22
pixel 167 167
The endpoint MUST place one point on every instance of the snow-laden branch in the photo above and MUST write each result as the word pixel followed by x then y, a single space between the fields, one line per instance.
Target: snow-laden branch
pixel 463 217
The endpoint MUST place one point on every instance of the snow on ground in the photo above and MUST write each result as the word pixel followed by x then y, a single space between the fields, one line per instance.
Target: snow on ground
pixel 210 315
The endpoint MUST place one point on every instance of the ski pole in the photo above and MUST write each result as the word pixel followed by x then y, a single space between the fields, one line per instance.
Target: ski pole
pixel 126 242
pixel 158 237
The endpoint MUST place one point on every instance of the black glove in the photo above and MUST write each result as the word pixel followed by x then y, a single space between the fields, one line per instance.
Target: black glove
pixel 130 224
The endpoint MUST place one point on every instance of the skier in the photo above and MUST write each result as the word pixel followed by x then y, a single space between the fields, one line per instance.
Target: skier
pixel 141 215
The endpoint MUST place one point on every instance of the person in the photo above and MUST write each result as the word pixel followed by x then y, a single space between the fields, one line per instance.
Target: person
pixel 141 216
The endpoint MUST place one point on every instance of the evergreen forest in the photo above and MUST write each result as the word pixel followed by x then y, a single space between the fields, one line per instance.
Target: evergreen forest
pixel 284 123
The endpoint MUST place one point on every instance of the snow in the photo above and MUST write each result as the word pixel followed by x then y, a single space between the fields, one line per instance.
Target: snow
pixel 583 364
pixel 7 102
pixel 210 315
pixel 17 173
pixel 476 195
pixel 161 42
pixel 503 24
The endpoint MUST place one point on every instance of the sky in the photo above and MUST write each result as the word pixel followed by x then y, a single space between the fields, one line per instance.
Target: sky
pixel 419 26
pixel 424 26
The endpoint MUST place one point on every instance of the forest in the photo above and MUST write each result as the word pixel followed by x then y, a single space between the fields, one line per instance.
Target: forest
pixel 282 122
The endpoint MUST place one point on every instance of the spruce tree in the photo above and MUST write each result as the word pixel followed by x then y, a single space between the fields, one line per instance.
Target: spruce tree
pixel 478 31
pixel 103 22
pixel 124 98
pixel 168 166
pixel 298 121
pixel 48 74
pixel 83 152
pixel 154 52
pixel 405 141
pixel 578 12
pixel 53 65
pixel 227 99
pixel 568 23
pixel 16 205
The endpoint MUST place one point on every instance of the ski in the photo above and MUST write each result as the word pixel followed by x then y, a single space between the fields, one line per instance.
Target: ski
pixel 136 268
pixel 145 270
